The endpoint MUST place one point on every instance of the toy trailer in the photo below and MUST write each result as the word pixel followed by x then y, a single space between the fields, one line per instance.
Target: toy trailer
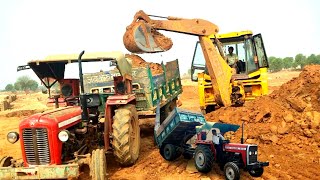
pixel 172 135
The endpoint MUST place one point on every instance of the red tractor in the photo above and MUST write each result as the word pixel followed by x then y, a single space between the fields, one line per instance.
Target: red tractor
pixel 56 143
pixel 229 156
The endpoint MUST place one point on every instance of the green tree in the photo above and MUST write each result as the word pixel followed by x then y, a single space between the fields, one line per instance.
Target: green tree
pixel 33 85
pixel 17 86
pixel 287 62
pixel 275 64
pixel 318 57
pixel 294 65
pixel 9 87
pixel 25 83
pixel 300 60
pixel 312 59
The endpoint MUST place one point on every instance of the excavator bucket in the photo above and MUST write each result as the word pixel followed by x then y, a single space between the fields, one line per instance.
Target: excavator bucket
pixel 142 38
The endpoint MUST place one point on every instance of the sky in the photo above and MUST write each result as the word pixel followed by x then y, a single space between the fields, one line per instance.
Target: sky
pixel 34 29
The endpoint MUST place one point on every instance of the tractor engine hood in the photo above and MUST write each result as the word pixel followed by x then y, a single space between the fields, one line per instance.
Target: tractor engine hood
pixel 57 119
pixel 236 147
pixel 39 135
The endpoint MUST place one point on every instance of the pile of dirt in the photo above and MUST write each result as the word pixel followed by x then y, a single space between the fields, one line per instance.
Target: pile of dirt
pixel 285 124
pixel 292 111
pixel 137 61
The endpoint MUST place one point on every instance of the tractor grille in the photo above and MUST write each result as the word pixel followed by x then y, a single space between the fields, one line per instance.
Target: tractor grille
pixel 36 146
pixel 253 157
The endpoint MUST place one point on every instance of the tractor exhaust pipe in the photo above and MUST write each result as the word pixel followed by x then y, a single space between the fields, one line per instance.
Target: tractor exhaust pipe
pixel 80 72
pixel 242 139
pixel 83 98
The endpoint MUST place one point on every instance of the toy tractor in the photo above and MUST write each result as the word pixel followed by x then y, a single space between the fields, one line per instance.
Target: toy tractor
pixel 233 155
pixel 173 134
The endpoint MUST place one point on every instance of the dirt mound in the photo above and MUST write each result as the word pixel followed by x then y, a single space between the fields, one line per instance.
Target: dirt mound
pixel 284 123
pixel 137 61
pixel 293 109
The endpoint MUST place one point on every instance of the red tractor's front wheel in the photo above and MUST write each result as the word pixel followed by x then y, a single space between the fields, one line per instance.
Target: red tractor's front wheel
pixel 5 161
pixel 126 135
pixel 231 171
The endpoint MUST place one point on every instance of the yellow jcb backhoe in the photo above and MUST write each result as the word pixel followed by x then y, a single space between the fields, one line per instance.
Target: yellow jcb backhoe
pixel 251 67
pixel 218 85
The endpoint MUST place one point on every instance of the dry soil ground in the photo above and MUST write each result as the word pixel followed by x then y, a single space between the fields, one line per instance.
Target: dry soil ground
pixel 286 132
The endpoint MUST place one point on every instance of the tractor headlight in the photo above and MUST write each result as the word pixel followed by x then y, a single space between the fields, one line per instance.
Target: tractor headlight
pixel 12 137
pixel 63 135
pixel 250 153
pixel 256 152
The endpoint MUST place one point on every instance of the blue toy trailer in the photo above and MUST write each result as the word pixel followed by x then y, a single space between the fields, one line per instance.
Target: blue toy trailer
pixel 171 136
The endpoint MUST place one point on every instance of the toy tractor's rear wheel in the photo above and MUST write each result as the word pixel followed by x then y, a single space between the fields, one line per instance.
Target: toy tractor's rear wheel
pixel 98 166
pixel 231 171
pixel 256 172
pixel 203 158
pixel 126 135
pixel 5 161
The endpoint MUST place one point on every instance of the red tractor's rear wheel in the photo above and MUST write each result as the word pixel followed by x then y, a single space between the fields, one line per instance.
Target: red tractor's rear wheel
pixel 126 135
pixel 203 158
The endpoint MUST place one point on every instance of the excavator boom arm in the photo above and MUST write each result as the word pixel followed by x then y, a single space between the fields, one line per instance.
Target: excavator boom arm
pixel 142 37
pixel 198 27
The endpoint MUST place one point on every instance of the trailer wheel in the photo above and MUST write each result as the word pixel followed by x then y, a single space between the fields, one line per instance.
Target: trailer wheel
pixel 169 152
pixel 5 161
pixel 126 135
pixel 256 172
pixel 98 167
pixel 203 158
pixel 231 171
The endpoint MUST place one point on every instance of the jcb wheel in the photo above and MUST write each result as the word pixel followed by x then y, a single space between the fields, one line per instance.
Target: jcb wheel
pixel 126 135
pixel 231 171
pixel 5 161
pixel 203 158
pixel 256 172
pixel 98 167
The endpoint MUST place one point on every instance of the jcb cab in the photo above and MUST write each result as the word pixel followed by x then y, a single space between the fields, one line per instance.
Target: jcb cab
pixel 251 68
